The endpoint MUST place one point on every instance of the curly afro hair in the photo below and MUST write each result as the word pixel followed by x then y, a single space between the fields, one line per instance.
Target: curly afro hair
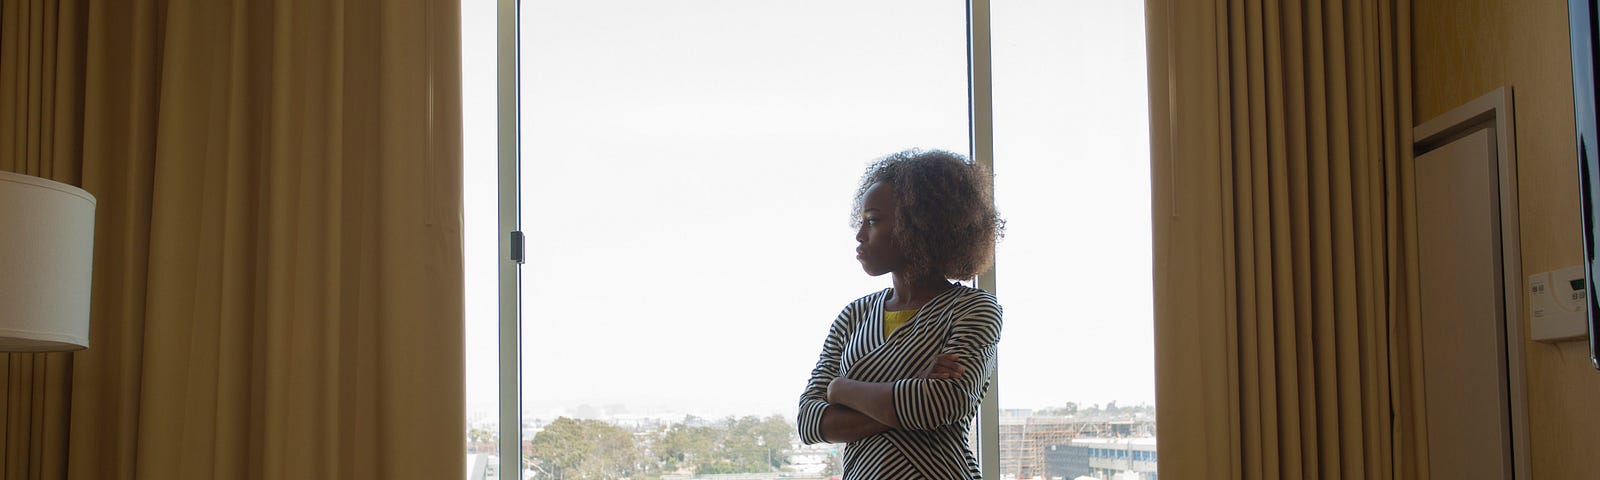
pixel 947 223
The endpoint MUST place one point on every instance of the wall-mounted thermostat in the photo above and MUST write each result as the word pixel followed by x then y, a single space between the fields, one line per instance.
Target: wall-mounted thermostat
pixel 1558 301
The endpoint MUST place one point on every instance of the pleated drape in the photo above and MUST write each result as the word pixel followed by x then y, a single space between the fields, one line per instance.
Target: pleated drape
pixel 41 134
pixel 1284 240
pixel 277 285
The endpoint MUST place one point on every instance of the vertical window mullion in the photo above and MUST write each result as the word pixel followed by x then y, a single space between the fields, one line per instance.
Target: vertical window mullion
pixel 509 234
pixel 981 119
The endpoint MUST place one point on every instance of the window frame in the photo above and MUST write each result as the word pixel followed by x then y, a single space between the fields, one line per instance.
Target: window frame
pixel 980 123
pixel 509 235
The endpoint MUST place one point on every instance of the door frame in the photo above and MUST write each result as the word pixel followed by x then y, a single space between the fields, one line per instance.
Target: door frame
pixel 1493 110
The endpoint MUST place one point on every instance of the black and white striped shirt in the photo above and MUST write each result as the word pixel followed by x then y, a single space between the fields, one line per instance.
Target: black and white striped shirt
pixel 934 415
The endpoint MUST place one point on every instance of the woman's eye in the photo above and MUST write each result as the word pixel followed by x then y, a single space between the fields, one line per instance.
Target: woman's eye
pixel 871 221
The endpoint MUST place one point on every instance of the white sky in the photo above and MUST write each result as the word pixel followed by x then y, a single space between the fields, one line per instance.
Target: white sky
pixel 688 168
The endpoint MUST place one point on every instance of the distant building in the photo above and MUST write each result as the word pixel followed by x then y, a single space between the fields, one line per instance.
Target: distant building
pixel 1023 439
pixel 813 459
pixel 482 467
pixel 1066 461
pixel 1104 458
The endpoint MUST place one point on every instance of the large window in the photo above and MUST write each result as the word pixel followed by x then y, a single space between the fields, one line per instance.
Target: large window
pixel 1073 179
pixel 686 177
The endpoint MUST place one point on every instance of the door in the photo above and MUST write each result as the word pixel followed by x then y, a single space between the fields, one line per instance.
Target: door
pixel 1463 308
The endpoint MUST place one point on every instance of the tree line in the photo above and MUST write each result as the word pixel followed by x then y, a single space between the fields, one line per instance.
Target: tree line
pixel 1095 410
pixel 572 449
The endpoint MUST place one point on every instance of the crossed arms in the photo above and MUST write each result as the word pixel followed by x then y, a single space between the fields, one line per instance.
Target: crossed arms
pixel 858 409
pixel 840 409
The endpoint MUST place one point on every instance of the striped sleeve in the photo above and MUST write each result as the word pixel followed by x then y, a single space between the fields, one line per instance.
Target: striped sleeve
pixel 923 404
pixel 815 398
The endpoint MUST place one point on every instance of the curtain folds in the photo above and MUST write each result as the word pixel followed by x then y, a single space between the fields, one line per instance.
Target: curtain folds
pixel 1284 247
pixel 278 256
pixel 41 107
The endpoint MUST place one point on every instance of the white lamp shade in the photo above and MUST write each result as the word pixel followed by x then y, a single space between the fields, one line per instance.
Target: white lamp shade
pixel 46 257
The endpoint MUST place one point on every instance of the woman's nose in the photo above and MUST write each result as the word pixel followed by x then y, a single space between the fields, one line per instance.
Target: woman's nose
pixel 861 234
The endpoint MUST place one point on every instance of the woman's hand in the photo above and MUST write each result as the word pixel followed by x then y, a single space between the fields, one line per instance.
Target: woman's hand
pixel 942 366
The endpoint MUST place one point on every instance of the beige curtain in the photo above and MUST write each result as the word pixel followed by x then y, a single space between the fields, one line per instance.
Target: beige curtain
pixel 277 258
pixel 1284 250
pixel 41 134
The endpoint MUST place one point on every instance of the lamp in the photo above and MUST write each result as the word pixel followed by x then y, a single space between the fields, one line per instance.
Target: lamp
pixel 46 252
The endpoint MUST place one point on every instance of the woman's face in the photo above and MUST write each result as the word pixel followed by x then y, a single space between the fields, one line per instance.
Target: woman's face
pixel 877 250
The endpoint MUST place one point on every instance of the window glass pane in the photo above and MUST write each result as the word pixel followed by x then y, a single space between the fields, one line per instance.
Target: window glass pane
pixel 479 247
pixel 1072 179
pixel 688 169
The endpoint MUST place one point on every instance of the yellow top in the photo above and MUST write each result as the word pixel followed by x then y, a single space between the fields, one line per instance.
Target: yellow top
pixel 894 319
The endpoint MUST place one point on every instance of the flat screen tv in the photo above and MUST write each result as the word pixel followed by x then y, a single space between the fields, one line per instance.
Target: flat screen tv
pixel 1583 26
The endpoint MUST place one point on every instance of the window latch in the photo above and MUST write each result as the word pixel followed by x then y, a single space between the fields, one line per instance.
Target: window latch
pixel 518 248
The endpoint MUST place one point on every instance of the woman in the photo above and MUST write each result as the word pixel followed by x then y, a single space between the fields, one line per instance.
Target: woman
pixel 902 370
